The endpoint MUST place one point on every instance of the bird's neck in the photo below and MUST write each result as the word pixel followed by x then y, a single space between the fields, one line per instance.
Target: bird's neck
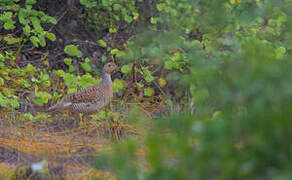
pixel 106 77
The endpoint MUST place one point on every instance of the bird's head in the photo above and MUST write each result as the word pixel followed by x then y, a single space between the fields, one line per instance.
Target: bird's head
pixel 109 68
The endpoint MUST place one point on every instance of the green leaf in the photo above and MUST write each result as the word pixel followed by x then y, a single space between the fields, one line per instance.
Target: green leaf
pixel 87 80
pixel 88 3
pixel 36 24
pixel 153 20
pixel 1 81
pixel 87 60
pixel 60 73
pixel 128 18
pixel 22 16
pixel 12 40
pixel 30 1
pixel 51 36
pixel 86 66
pixel 41 96
pixel 126 68
pixel 147 75
pixel 168 65
pixel 148 92
pixel 160 6
pixel 68 61
pixel 71 68
pixel 30 69
pixel 112 30
pixel 114 51
pixel 72 90
pixel 26 30
pixel 51 20
pixel 9 25
pixel 73 51
pixel 2 58
pixel 280 52
pixel 14 103
pixel 42 40
pixel 101 114
pixel 140 85
pixel 119 84
pixel 25 83
pixel 117 7
pixel 71 80
pixel 34 40
pixel 27 116
pixel 102 43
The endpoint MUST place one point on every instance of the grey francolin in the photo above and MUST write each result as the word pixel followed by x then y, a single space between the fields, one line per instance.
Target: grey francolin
pixel 92 98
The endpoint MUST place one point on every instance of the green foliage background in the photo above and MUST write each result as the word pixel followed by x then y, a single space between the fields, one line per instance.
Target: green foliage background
pixel 236 58
pixel 231 58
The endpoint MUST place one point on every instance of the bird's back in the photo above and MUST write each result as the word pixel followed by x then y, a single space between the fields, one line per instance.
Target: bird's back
pixel 87 100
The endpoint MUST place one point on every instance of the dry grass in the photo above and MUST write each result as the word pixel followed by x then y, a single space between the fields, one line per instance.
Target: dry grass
pixel 71 149
pixel 67 146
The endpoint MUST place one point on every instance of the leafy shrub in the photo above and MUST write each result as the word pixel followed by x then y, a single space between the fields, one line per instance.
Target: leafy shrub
pixel 240 82
pixel 110 14
pixel 13 13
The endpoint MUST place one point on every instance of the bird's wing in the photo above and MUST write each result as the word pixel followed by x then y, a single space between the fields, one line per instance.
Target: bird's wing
pixel 86 95
pixel 87 107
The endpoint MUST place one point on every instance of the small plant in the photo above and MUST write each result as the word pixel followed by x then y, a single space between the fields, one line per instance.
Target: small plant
pixel 110 13
pixel 30 19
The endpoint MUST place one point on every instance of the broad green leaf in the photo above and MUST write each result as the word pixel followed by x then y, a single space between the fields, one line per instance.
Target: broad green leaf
pixel 112 30
pixel 34 40
pixel 72 90
pixel 119 84
pixel 50 36
pixel 126 68
pixel 22 16
pixel 86 66
pixel 26 30
pixel 9 25
pixel 73 50
pixel 280 52
pixel 148 91
pixel 12 40
pixel 42 40
pixel 71 68
pixel 36 24
pixel 102 43
pixel 51 20
pixel 128 18
pixel 117 7
pixel 68 61
pixel 30 1
pixel 1 81
pixel 153 20
pixel 87 80
pixel 41 96
pixel 147 75
pixel 140 85
pixel 114 51
pixel 30 69
pixel 2 58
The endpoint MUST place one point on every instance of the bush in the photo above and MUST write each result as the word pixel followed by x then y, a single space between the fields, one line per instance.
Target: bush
pixel 239 77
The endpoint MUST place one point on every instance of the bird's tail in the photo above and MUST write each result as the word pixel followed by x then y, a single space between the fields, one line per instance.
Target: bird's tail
pixel 60 106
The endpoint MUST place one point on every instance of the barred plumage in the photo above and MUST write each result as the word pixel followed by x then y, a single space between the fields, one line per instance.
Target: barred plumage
pixel 90 99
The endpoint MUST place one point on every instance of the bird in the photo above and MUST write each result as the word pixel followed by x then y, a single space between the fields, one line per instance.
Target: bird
pixel 90 99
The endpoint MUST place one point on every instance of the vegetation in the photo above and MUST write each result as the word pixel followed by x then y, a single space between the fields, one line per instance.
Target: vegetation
pixel 203 90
